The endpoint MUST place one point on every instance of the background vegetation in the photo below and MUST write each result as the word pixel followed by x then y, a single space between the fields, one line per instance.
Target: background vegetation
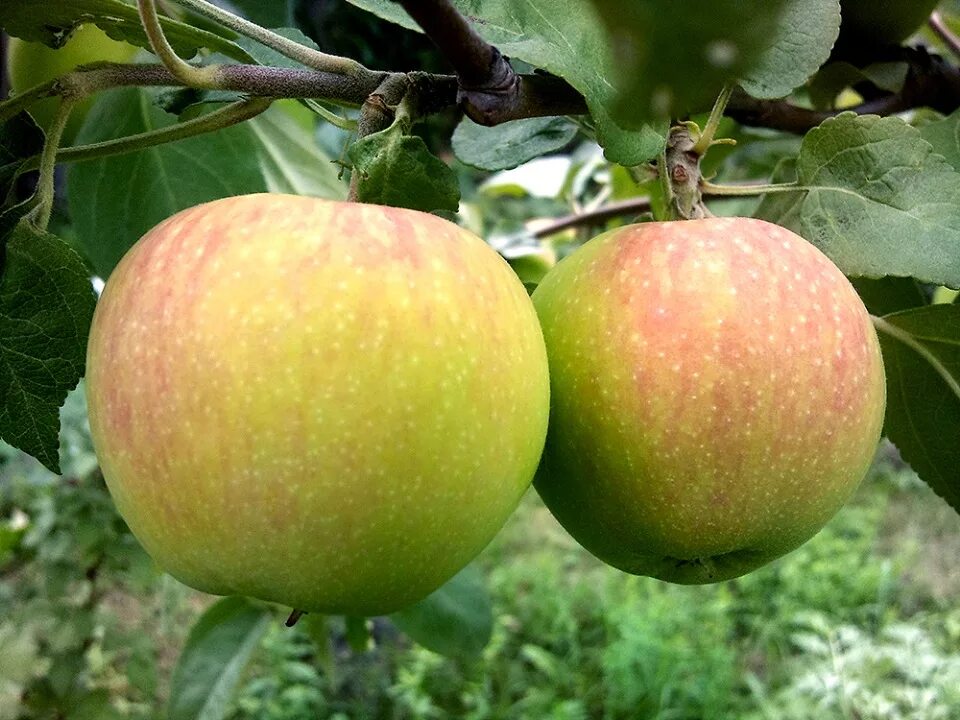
pixel 861 623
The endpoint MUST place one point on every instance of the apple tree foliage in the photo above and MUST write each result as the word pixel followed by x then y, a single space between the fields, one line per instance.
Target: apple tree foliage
pixel 856 149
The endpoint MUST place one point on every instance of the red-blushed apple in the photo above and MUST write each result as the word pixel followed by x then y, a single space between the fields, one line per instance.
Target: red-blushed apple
pixel 329 405
pixel 717 393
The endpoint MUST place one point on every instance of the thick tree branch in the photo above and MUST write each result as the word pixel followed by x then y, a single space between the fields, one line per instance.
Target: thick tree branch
pixel 490 91
pixel 473 58
pixel 930 82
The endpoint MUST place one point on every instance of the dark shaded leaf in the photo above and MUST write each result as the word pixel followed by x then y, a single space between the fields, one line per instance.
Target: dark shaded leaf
pixel 455 621
pixel 210 666
pixel 921 353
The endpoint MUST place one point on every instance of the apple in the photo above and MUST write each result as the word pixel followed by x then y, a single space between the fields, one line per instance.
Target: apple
pixel 876 23
pixel 32 63
pixel 328 405
pixel 717 392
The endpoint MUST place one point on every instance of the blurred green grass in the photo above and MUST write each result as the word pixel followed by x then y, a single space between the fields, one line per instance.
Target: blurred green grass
pixel 860 623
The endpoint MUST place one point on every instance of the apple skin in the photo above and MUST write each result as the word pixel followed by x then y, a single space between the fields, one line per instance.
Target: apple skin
pixel 328 405
pixel 877 23
pixel 32 63
pixel 717 393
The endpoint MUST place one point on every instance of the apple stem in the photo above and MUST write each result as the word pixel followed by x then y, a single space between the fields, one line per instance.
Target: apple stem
pixel 681 176
pixel 294 617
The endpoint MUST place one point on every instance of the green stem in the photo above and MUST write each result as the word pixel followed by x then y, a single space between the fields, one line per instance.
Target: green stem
pixel 286 47
pixel 18 103
pixel 189 75
pixel 48 160
pixel 330 116
pixel 232 114
pixel 709 188
pixel 908 340
pixel 716 115
pixel 666 187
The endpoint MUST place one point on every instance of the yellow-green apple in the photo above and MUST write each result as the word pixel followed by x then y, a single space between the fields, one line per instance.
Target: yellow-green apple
pixel 874 23
pixel 329 405
pixel 717 392
pixel 32 63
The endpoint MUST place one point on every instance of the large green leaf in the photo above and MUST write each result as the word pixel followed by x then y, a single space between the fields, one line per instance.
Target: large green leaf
pixel 875 197
pixel 290 159
pixel 804 37
pixel 46 305
pixel 883 296
pixel 115 200
pixel 566 39
pixel 273 14
pixel 210 666
pixel 456 620
pixel 921 353
pixel 51 23
pixel 674 57
pixel 511 144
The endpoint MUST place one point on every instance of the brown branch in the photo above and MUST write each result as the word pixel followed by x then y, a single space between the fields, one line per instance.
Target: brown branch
pixel 930 82
pixel 490 91
pixel 475 61
pixel 782 115
pixel 541 95
pixel 633 206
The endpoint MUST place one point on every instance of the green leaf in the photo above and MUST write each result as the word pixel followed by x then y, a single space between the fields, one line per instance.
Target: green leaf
pixel 115 200
pixel 876 199
pixel 804 37
pixel 511 144
pixel 290 159
pixel 357 630
pixel 274 14
pixel 921 354
pixel 46 305
pixel 210 666
pixel 455 621
pixel 883 296
pixel 674 58
pixel 397 169
pixel 52 22
pixel 944 135
pixel 94 705
pixel 566 39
